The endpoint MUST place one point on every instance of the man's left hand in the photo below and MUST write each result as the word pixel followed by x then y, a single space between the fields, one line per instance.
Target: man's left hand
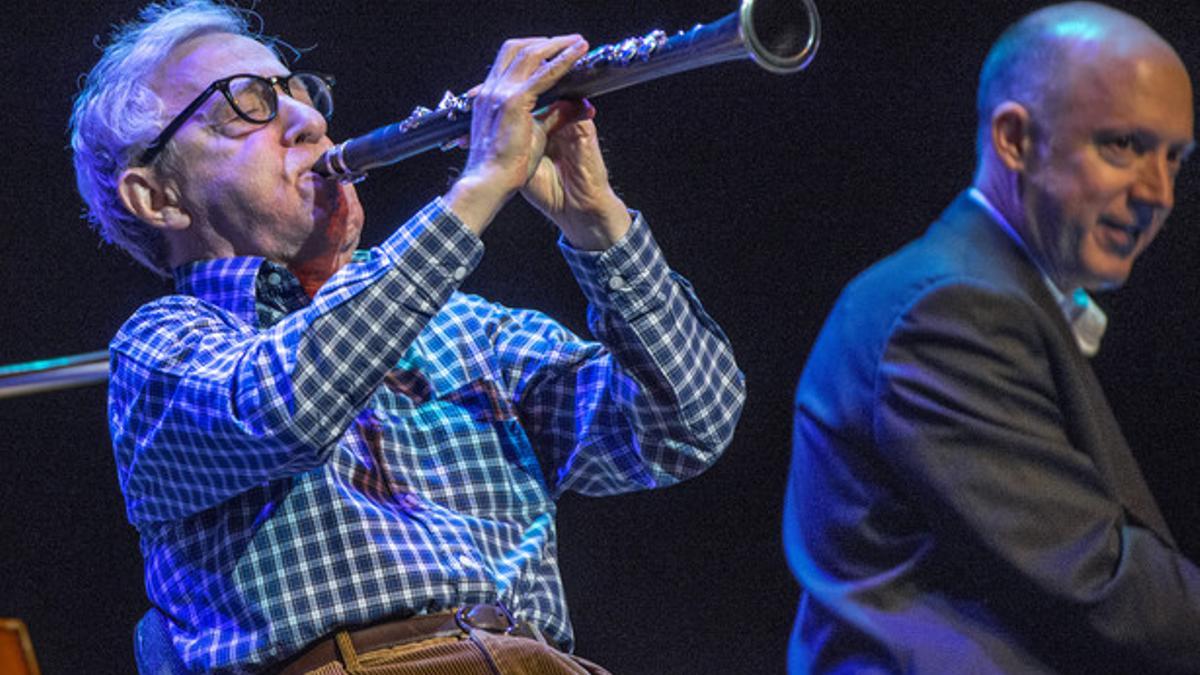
pixel 570 184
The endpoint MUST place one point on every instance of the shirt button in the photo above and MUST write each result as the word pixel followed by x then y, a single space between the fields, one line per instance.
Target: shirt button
pixel 616 282
pixel 460 273
pixel 274 279
pixel 467 561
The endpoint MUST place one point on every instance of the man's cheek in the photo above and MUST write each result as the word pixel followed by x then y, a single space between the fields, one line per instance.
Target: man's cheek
pixel 350 213
pixel 356 207
pixel 330 212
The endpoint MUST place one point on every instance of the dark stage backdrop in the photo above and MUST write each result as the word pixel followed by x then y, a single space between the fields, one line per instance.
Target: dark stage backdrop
pixel 767 192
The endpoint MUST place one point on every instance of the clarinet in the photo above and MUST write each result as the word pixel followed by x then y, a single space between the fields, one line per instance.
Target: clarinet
pixel 781 36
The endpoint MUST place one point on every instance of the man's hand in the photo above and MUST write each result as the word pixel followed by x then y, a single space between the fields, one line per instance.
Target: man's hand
pixel 570 184
pixel 506 143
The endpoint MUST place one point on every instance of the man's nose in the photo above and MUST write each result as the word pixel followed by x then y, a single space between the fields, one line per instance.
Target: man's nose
pixel 1155 185
pixel 301 122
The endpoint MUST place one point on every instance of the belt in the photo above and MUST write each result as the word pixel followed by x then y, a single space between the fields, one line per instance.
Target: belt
pixel 460 622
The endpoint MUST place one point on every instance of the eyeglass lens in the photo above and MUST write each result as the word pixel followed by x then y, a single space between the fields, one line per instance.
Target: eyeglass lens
pixel 312 90
pixel 258 100
pixel 253 97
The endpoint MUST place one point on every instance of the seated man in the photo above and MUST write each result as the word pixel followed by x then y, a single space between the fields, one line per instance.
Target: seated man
pixel 961 499
pixel 334 460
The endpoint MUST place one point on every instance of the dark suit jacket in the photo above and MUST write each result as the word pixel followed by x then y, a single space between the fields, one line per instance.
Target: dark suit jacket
pixel 961 499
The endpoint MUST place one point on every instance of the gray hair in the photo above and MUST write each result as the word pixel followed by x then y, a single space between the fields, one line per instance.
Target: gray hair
pixel 117 115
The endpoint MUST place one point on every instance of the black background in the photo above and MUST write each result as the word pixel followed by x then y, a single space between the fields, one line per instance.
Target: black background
pixel 767 192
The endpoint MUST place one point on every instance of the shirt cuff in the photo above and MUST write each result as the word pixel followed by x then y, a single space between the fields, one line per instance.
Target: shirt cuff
pixel 630 277
pixel 434 250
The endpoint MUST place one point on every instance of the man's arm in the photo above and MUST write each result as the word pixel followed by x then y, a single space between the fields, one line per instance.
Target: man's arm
pixel 968 415
pixel 660 403
pixel 655 403
pixel 203 407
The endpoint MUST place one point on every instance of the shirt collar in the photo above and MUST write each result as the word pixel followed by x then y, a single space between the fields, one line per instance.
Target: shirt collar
pixel 1083 315
pixel 255 290
pixel 277 293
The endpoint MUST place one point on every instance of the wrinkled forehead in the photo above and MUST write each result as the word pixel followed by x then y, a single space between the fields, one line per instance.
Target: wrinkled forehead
pixel 199 61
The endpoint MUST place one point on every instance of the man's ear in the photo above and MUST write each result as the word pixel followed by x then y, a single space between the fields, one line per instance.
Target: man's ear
pixel 1012 135
pixel 151 199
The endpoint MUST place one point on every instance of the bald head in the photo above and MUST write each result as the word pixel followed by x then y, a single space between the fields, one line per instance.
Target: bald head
pixel 1085 119
pixel 1036 61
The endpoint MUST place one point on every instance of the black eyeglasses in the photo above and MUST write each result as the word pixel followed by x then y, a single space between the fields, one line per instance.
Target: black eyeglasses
pixel 253 98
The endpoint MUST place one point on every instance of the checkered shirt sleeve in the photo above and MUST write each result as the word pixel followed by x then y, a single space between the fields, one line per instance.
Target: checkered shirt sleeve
pixel 203 407
pixel 655 402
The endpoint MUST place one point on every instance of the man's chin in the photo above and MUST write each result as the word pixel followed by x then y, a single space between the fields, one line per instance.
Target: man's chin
pixel 1108 279
pixel 1099 267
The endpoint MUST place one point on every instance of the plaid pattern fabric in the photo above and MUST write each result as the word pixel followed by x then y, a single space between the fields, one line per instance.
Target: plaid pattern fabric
pixel 394 447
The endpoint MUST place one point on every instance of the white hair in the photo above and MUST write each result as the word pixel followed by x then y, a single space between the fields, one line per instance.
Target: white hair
pixel 117 114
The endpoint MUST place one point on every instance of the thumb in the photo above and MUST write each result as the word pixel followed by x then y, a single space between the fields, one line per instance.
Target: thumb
pixel 566 111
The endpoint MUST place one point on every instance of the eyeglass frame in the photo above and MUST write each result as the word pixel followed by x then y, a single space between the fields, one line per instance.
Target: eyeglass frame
pixel 159 143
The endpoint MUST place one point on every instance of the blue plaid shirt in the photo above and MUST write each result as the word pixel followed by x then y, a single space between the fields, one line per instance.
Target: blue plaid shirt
pixel 394 447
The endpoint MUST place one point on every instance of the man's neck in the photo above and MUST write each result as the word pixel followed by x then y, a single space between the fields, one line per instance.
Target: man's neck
pixel 1003 195
pixel 1001 192
pixel 1085 318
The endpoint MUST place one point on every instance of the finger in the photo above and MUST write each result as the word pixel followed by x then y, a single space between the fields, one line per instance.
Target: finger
pixel 509 51
pixel 552 70
pixel 572 140
pixel 565 111
pixel 534 57
pixel 589 110
pixel 471 95
pixel 551 117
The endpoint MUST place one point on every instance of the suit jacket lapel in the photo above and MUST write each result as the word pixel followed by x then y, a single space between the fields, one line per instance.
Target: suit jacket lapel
pixel 1090 422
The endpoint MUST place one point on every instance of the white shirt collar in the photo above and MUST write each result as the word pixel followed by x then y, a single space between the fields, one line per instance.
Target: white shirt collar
pixel 1084 316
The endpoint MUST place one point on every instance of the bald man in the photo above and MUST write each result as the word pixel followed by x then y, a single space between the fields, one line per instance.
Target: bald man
pixel 961 499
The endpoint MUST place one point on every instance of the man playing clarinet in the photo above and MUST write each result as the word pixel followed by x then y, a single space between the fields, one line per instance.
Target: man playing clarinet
pixel 336 462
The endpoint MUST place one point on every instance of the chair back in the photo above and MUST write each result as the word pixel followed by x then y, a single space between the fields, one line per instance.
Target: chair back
pixel 16 649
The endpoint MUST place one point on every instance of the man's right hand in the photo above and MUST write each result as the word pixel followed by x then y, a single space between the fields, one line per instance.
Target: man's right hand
pixel 506 142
